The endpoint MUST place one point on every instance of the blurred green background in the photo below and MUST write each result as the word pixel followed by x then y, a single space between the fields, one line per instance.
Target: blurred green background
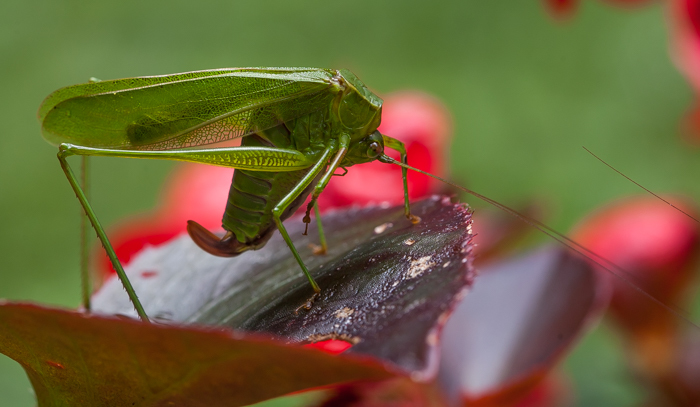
pixel 525 93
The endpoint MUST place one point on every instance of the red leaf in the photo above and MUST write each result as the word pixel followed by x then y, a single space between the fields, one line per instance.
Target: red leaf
pixel 73 359
pixel 684 25
pixel 519 318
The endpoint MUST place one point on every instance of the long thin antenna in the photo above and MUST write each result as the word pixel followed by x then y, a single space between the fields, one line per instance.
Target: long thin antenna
pixel 640 186
pixel 559 237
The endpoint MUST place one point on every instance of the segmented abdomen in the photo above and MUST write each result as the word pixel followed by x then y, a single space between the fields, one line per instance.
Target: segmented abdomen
pixel 253 196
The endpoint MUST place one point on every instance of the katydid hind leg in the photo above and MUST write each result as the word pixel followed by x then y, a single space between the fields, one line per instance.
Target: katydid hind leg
pixel 90 213
pixel 85 280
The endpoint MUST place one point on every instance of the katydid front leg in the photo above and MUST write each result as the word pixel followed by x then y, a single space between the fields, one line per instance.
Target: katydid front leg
pixel 401 148
pixel 318 189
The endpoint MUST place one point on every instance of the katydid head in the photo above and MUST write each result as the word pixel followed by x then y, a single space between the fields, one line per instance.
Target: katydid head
pixel 359 110
pixel 365 150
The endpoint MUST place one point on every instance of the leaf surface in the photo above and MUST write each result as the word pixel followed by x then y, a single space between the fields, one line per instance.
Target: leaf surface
pixel 387 285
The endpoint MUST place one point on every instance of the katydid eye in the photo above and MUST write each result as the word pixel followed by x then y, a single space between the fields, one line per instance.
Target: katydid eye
pixel 374 150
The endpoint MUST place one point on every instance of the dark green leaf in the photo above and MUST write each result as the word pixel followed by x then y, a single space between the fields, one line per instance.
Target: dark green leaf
pixel 388 285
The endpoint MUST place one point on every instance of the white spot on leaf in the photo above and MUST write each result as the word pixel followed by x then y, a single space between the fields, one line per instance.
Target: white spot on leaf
pixel 344 312
pixel 381 228
pixel 419 266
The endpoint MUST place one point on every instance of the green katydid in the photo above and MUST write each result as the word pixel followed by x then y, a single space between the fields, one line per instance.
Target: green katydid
pixel 298 126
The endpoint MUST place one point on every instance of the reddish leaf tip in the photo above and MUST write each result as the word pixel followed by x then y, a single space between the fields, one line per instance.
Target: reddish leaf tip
pixel 332 346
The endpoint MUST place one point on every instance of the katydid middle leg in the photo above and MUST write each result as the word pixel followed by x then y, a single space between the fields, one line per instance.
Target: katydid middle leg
pixel 323 248
pixel 318 189
pixel 282 206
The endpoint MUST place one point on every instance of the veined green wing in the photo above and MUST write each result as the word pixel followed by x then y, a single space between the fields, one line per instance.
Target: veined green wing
pixel 183 110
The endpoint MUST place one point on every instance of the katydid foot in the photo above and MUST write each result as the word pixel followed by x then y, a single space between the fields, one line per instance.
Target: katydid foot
pixel 318 250
pixel 413 218
pixel 309 303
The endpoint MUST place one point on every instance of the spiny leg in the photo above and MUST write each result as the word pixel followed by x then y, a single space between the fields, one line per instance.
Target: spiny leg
pixel 62 155
pixel 335 163
pixel 323 249
pixel 401 148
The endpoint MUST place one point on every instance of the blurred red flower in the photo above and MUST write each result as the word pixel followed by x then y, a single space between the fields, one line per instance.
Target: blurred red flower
pixel 684 24
pixel 424 125
pixel 684 28
pixel 653 242
pixel 657 247
pixel 561 9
